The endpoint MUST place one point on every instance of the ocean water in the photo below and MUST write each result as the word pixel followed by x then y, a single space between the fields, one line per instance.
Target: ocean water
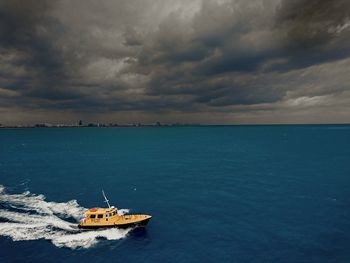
pixel 216 194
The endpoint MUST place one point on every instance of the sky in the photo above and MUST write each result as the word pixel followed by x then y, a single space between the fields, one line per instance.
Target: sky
pixel 198 61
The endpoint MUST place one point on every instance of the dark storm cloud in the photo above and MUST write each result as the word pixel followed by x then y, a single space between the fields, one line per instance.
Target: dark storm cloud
pixel 313 31
pixel 301 33
pixel 224 41
pixel 23 30
pixel 28 33
pixel 162 56
pixel 310 23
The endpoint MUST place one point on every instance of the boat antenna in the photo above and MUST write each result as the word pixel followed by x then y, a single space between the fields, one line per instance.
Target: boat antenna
pixel 106 200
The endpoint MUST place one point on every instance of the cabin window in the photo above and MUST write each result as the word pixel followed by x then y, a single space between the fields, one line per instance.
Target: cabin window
pixel 92 216
pixel 100 216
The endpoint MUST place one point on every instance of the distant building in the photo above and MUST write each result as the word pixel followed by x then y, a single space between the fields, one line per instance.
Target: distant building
pixel 40 125
pixel 80 123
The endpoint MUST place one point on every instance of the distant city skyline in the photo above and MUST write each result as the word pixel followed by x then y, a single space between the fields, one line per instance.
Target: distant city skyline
pixel 175 61
pixel 80 123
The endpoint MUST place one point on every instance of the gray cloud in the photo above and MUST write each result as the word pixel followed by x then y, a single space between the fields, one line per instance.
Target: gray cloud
pixel 314 22
pixel 314 31
pixel 218 60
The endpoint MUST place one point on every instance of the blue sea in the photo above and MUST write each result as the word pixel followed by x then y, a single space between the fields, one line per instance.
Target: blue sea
pixel 278 193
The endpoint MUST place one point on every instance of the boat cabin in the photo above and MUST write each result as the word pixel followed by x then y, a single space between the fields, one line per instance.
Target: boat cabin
pixel 101 214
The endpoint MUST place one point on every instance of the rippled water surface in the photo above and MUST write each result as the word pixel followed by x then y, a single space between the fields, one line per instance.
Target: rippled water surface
pixel 223 194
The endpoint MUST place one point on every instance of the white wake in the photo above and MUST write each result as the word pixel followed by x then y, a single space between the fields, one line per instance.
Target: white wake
pixel 28 216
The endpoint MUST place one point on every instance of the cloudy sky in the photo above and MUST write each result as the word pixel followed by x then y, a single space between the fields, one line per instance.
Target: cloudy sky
pixel 198 61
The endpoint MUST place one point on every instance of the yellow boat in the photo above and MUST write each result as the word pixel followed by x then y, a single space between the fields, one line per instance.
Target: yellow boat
pixel 109 217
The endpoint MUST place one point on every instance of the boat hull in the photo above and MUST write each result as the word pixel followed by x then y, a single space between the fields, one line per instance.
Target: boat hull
pixel 141 223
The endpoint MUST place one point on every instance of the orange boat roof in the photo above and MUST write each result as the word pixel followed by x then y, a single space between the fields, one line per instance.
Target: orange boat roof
pixel 100 210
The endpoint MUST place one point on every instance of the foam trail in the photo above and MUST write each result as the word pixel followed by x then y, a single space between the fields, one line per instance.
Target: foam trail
pixel 29 217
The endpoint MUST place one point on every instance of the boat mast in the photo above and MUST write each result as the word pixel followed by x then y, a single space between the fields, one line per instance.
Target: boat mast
pixel 106 200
